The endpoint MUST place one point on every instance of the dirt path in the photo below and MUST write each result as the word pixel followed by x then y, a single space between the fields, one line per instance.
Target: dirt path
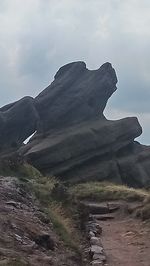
pixel 126 241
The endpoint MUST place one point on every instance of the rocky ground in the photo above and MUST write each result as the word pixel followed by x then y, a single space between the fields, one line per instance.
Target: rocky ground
pixel 27 236
pixel 113 236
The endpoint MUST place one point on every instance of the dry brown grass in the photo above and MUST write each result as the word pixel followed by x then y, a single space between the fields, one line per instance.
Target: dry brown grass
pixel 59 214
pixel 100 191
pixel 106 191
pixel 64 225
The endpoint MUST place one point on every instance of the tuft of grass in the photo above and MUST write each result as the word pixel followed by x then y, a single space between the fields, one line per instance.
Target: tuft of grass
pixel 64 225
pixel 58 213
pixel 29 171
pixel 101 191
pixel 19 169
pixel 42 188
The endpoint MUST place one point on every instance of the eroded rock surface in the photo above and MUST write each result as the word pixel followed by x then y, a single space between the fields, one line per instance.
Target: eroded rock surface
pixel 27 236
pixel 17 121
pixel 73 139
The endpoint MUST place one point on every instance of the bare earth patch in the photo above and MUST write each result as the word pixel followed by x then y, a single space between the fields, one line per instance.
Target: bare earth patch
pixel 126 241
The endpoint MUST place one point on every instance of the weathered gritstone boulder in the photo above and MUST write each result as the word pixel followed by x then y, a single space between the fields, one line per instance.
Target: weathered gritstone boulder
pixel 76 95
pixel 17 121
pixel 83 151
pixel 73 139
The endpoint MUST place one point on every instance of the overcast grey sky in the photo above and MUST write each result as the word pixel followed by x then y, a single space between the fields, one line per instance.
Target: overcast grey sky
pixel 39 36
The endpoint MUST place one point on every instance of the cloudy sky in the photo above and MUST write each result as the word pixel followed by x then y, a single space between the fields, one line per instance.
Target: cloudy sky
pixel 39 36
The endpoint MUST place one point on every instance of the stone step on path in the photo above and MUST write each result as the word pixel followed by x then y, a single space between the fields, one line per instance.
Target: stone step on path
pixel 98 208
pixel 102 217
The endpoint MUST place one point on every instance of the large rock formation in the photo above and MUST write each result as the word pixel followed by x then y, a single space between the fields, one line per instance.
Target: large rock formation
pixel 73 139
pixel 17 122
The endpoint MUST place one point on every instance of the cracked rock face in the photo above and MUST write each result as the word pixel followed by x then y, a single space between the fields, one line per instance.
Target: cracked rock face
pixel 76 95
pixel 73 139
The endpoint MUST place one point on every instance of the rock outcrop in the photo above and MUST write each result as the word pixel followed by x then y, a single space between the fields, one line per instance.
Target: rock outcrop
pixel 73 139
pixel 76 95
pixel 17 121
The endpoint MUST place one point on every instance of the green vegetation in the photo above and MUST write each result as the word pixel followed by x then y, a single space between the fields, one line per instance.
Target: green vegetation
pixel 99 191
pixel 56 200
pixel 51 195
pixel 64 225
pixel 45 190
pixel 42 187
pixel 9 167
pixel 106 191
pixel 27 170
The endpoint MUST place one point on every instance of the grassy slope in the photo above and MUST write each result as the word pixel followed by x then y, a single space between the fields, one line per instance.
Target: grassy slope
pixel 98 191
pixel 56 208
pixel 42 187
pixel 106 191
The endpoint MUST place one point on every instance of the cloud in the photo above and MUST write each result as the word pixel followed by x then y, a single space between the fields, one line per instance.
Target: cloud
pixel 39 36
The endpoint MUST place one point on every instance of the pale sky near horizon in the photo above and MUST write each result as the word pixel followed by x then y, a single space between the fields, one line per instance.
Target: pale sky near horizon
pixel 37 37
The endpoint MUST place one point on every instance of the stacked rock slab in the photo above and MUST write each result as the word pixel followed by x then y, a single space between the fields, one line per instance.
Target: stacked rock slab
pixel 73 139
